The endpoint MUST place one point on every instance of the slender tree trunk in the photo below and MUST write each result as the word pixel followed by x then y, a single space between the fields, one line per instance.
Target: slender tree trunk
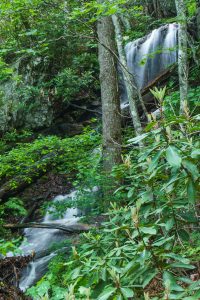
pixel 111 117
pixel 133 92
pixel 198 19
pixel 182 55
pixel 125 22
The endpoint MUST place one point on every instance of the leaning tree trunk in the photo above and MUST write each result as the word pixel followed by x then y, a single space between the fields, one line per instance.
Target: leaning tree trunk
pixel 111 117
pixel 133 92
pixel 182 55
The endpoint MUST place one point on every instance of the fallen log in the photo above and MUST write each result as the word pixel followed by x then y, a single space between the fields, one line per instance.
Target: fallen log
pixel 75 228
pixel 159 79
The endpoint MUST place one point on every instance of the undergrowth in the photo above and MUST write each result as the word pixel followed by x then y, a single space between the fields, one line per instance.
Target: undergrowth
pixel 45 153
pixel 148 247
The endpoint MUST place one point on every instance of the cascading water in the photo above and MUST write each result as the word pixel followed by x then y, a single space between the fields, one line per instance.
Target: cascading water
pixel 149 56
pixel 40 240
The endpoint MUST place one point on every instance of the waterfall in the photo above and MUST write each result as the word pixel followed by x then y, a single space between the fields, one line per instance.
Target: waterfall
pixel 40 240
pixel 147 57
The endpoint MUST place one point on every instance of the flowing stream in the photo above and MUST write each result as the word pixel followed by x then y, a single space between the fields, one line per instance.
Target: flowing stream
pixel 40 240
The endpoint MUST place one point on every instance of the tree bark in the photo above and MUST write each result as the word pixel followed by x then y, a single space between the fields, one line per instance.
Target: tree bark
pixel 125 22
pixel 111 117
pixel 182 55
pixel 133 92
pixel 159 8
pixel 198 19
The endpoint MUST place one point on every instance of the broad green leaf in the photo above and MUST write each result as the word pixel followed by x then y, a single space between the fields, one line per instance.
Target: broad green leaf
pixel 184 235
pixel 162 241
pixel 75 273
pixel 130 192
pixel 177 257
pixel 169 224
pixel 109 291
pixel 192 168
pixel 191 191
pixel 44 287
pixel 119 297
pixel 172 180
pixel 173 157
pixel 155 161
pixel 138 138
pixel 103 274
pixel 150 125
pixel 84 291
pixel 127 292
pixel 148 278
pixel 195 297
pixel 148 230
pixel 182 265
pixel 195 153
pixel 131 266
pixel 170 281
pixel 144 256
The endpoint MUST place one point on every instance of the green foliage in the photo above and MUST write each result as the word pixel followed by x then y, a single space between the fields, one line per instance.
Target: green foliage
pixel 10 246
pixel 68 83
pixel 172 102
pixel 148 247
pixel 5 71
pixel 51 62
pixel 44 153
pixel 14 207
pixel 191 7
pixel 16 137
pixel 144 249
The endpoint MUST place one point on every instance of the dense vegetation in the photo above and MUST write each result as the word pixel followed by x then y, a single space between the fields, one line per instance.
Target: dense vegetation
pixel 145 174
pixel 148 245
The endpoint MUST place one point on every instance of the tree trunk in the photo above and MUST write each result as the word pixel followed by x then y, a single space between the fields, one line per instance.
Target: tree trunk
pixel 133 92
pixel 111 117
pixel 198 19
pixel 125 22
pixel 182 56
pixel 159 8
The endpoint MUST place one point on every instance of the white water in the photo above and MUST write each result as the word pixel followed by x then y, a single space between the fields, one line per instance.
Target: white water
pixel 149 56
pixel 38 240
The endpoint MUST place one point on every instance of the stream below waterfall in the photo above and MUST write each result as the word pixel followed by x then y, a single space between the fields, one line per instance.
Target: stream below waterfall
pixel 40 241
